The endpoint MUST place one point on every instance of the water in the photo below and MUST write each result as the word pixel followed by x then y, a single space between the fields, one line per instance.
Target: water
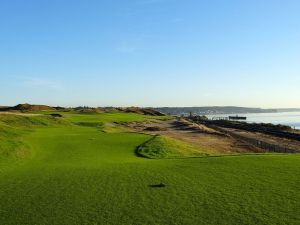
pixel 286 118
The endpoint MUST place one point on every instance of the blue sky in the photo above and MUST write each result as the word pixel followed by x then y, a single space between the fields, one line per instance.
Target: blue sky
pixel 150 52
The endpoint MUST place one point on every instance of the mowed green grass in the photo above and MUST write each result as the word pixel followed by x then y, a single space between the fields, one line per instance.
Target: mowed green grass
pixel 80 175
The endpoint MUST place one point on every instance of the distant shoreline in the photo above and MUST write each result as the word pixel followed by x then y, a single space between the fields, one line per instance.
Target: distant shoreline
pixel 218 110
pixel 291 119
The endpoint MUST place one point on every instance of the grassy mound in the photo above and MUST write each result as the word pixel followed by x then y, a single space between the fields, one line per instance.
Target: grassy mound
pixel 27 108
pixel 143 111
pixel 13 128
pixel 114 117
pixel 31 121
pixel 115 128
pixel 11 144
pixel 160 147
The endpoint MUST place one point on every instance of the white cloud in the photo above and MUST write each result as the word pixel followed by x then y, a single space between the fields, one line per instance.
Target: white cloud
pixel 42 83
pixel 131 44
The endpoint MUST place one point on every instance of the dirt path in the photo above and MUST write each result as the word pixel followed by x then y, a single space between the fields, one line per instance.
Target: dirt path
pixel 283 142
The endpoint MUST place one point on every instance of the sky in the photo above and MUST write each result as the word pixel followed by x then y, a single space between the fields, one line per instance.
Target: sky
pixel 150 52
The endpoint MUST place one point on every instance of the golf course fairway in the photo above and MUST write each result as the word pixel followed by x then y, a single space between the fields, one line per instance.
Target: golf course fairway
pixel 74 173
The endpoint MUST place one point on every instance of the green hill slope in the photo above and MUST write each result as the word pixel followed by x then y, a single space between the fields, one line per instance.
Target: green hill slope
pixel 14 129
pixel 162 147
pixel 81 175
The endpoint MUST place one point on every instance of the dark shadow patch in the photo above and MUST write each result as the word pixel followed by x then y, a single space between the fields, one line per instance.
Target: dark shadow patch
pixel 161 185
pixel 140 147
pixel 90 124
pixel 55 115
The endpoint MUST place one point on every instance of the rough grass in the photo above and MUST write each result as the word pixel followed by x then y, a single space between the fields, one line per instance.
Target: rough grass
pixel 107 117
pixel 30 121
pixel 90 124
pixel 11 145
pixel 79 175
pixel 162 147
pixel 14 128
pixel 115 128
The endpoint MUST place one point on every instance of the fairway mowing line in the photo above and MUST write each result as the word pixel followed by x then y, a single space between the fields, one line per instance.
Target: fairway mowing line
pixel 223 156
pixel 137 152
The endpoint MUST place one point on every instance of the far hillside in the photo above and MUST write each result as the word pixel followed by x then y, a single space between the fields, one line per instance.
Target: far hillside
pixel 213 110
pixel 80 109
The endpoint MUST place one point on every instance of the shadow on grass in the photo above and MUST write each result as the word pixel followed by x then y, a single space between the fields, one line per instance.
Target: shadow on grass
pixel 139 148
pixel 157 185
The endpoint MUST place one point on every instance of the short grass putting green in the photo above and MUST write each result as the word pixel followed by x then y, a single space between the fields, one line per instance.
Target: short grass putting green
pixel 70 174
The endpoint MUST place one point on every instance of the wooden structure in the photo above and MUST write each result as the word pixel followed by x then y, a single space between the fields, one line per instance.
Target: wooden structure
pixel 237 117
